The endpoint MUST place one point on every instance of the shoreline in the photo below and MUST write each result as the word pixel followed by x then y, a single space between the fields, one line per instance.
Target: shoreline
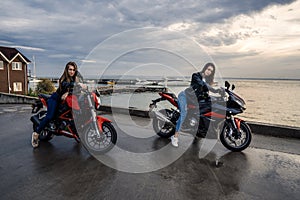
pixel 132 80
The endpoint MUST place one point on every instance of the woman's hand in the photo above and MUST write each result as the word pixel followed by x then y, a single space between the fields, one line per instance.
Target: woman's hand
pixel 64 96
pixel 221 91
pixel 83 86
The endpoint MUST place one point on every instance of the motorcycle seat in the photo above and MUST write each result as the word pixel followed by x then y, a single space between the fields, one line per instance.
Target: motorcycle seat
pixel 171 94
pixel 45 96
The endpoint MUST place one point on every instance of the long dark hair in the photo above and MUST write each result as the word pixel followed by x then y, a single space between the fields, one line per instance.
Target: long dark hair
pixel 65 76
pixel 210 78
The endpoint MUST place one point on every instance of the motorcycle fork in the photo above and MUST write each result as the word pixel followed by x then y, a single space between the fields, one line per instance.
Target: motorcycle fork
pixel 94 117
pixel 235 123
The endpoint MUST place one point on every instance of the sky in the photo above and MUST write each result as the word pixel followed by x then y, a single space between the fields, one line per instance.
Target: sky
pixel 245 39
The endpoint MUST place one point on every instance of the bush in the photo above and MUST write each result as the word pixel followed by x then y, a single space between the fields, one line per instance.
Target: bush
pixel 31 93
pixel 45 87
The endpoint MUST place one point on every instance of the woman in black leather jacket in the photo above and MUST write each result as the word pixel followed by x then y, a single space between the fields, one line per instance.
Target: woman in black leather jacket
pixel 67 81
pixel 202 81
pixel 201 84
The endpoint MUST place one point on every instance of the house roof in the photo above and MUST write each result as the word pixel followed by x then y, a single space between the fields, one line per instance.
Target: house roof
pixel 11 53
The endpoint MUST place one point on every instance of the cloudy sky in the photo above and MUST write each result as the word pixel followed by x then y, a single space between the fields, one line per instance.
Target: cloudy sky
pixel 253 38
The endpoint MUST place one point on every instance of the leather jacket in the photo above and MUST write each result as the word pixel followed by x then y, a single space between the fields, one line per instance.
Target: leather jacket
pixel 69 86
pixel 200 87
pixel 65 86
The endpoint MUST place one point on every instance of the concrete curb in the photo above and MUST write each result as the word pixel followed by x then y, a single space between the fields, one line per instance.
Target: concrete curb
pixel 6 98
pixel 125 111
pixel 256 127
pixel 275 130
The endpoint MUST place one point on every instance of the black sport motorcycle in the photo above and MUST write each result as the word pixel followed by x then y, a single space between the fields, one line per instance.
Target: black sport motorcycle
pixel 215 116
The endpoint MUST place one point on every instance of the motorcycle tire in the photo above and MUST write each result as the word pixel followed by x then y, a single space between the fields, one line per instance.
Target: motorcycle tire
pixel 161 128
pixel 45 135
pixel 96 145
pixel 230 140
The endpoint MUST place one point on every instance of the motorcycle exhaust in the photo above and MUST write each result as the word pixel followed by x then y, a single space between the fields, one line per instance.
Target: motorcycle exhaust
pixel 66 133
pixel 35 120
pixel 162 117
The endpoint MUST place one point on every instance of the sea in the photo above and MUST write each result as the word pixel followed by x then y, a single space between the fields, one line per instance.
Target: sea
pixel 268 101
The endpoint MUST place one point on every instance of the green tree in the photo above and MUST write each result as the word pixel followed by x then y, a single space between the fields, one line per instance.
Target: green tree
pixel 31 93
pixel 45 87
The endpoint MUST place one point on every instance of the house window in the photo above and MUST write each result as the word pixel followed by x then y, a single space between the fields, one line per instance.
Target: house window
pixel 1 64
pixel 17 86
pixel 16 66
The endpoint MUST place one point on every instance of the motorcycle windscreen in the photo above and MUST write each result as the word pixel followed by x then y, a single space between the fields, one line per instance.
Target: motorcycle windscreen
pixel 72 102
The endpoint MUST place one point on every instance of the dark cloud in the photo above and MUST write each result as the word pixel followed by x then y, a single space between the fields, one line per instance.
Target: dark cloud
pixel 166 12
pixel 69 30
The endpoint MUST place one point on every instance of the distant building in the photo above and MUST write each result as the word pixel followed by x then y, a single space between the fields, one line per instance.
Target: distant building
pixel 13 71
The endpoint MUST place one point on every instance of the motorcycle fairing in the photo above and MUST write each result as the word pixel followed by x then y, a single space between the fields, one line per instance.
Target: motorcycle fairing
pixel 96 100
pixel 214 114
pixel 170 98
pixel 100 121
pixel 72 102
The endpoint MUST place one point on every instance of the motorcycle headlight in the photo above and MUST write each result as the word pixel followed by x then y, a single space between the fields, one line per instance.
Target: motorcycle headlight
pixel 240 103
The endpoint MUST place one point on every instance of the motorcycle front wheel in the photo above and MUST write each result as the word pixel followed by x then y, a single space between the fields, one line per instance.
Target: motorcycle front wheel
pixel 162 128
pixel 100 144
pixel 236 141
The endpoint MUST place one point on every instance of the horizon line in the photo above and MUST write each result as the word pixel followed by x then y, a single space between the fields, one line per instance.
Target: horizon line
pixel 113 77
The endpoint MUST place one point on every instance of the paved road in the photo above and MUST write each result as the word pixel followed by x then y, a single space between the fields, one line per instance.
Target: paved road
pixel 63 169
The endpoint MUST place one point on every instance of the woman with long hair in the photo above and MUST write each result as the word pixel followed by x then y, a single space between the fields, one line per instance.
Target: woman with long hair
pixel 201 84
pixel 68 79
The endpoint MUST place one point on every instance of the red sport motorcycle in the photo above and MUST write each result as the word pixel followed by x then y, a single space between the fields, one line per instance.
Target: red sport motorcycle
pixel 216 116
pixel 95 132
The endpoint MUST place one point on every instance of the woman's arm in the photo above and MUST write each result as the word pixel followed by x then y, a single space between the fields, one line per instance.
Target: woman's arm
pixel 79 81
pixel 212 89
pixel 67 85
pixel 198 83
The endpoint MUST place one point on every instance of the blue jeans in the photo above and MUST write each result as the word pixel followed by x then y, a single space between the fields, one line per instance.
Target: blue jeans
pixel 51 109
pixel 182 104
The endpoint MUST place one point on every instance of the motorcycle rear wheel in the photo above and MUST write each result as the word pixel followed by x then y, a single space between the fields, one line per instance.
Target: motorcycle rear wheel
pixel 162 128
pixel 104 143
pixel 235 142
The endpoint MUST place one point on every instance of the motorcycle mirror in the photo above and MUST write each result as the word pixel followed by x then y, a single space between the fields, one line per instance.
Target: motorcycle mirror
pixel 97 93
pixel 227 84
pixel 232 87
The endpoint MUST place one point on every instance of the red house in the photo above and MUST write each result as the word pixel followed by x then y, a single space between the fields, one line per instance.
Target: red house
pixel 13 71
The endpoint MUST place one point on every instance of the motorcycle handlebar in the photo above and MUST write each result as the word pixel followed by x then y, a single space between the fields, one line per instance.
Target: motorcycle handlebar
pixel 222 91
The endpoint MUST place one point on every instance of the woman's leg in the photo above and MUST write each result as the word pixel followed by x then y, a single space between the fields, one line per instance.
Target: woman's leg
pixel 183 110
pixel 50 114
pixel 51 109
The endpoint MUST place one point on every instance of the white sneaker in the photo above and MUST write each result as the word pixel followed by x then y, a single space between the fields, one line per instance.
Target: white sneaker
pixel 174 141
pixel 35 140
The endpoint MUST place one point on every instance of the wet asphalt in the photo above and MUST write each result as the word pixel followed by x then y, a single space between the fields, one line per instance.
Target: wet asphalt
pixel 63 169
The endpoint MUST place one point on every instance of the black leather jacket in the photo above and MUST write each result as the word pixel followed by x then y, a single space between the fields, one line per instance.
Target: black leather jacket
pixel 65 87
pixel 200 87
pixel 69 86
